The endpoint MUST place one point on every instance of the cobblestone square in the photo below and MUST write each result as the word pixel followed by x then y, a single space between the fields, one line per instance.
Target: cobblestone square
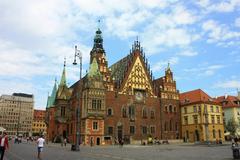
pixel 127 152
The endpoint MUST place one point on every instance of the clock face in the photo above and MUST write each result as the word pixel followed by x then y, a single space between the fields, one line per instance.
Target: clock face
pixel 138 95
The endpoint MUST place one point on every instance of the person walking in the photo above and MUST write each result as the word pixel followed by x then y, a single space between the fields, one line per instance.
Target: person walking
pixel 3 144
pixel 40 144
pixel 65 142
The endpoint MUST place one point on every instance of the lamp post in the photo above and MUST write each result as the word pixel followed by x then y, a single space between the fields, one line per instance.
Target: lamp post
pixel 79 55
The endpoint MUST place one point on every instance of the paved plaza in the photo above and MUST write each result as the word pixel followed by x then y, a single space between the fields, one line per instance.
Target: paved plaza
pixel 26 151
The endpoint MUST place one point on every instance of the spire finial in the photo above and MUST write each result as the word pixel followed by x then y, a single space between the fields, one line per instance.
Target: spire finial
pixel 137 38
pixel 99 22
pixel 168 64
pixel 64 62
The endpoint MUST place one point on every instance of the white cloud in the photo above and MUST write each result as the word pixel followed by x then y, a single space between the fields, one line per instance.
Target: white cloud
pixel 228 84
pixel 161 64
pixel 205 70
pixel 188 53
pixel 170 30
pixel 237 22
pixel 225 6
pixel 203 3
pixel 222 6
pixel 220 33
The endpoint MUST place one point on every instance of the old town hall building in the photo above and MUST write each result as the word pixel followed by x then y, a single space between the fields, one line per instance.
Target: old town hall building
pixel 117 102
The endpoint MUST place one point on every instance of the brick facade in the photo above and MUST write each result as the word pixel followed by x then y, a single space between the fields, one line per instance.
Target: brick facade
pixel 120 102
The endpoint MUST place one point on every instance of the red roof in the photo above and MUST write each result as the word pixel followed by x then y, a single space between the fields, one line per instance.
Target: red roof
pixel 195 96
pixel 39 114
pixel 229 101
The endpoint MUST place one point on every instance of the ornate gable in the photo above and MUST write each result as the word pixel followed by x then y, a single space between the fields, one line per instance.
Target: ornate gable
pixel 137 78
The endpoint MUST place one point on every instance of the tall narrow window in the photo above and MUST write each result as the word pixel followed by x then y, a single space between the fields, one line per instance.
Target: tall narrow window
pixel 132 129
pixel 219 133
pixel 152 114
pixel 94 104
pixel 195 118
pixel 99 104
pixel 95 125
pixel 214 133
pixel 185 110
pixel 144 130
pixel 109 112
pixel 218 119
pixel 144 113
pixel 211 108
pixel 152 130
pixel 170 108
pixel 124 112
pixel 131 111
pixel 110 130
pixel 213 119
pixel 194 109
pixel 217 109
pixel 186 120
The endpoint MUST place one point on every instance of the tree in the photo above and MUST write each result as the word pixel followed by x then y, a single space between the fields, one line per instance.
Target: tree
pixel 232 126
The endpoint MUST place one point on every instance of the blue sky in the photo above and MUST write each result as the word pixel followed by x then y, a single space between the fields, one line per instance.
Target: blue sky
pixel 200 39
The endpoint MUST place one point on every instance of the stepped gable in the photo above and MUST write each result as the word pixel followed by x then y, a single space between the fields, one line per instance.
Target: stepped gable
pixel 124 68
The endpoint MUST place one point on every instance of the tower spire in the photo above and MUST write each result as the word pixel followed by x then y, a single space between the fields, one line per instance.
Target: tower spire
pixel 63 78
pixel 98 41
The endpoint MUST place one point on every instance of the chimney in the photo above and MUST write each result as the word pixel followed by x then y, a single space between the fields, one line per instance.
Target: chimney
pixel 225 96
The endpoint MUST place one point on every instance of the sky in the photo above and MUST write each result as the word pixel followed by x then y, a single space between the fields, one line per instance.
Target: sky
pixel 199 38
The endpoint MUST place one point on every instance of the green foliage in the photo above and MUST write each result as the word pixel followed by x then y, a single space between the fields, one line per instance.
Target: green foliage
pixel 232 126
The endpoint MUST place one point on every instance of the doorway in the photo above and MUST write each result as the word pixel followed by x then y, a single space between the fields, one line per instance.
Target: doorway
pixel 98 141
pixel 120 132
pixel 197 138
pixel 64 134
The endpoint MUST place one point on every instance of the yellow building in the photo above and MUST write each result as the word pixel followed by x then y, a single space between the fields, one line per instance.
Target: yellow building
pixel 38 125
pixel 201 117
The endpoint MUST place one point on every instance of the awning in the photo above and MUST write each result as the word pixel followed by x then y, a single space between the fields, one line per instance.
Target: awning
pixel 227 134
pixel 2 129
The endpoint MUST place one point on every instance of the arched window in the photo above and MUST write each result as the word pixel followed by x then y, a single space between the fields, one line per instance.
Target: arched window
pixel 219 133
pixel 131 111
pixel 144 113
pixel 214 133
pixel 166 108
pixel 109 112
pixel 152 114
pixel 170 108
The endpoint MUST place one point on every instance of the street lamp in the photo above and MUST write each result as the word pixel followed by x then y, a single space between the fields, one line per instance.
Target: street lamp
pixel 79 55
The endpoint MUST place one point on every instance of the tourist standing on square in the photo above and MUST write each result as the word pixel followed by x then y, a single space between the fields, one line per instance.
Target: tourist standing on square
pixel 3 144
pixel 40 144
pixel 65 142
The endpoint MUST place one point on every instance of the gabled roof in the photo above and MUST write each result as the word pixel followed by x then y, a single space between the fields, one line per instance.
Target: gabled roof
pixel 51 99
pixel 195 96
pixel 121 69
pixel 63 91
pixel 228 101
